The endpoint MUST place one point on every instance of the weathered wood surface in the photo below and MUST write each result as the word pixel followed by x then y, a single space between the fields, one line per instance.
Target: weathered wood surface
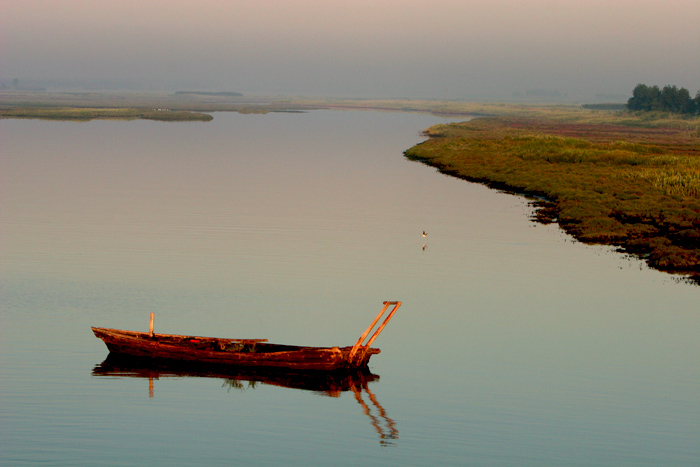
pixel 360 349
pixel 233 352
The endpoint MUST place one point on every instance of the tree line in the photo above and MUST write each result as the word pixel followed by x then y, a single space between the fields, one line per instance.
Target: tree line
pixel 668 99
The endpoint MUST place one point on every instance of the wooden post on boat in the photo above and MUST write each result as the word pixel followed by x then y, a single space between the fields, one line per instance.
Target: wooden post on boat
pixel 150 326
pixel 358 344
pixel 381 328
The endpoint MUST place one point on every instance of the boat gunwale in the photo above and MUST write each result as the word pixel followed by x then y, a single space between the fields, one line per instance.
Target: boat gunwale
pixel 145 338
pixel 138 334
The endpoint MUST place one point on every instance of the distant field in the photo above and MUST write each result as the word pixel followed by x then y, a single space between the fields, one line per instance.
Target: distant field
pixel 73 113
pixel 204 93
pixel 225 101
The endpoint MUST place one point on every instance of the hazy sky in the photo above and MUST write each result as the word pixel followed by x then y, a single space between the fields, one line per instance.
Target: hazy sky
pixel 473 49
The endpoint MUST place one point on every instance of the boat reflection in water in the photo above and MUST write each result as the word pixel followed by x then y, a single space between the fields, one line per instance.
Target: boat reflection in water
pixel 328 383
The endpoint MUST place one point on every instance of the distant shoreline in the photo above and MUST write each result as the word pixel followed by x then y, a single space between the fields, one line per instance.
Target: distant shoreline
pixel 207 93
pixel 84 114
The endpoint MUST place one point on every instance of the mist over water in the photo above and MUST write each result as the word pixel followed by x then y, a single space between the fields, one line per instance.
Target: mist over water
pixel 565 51
pixel 514 345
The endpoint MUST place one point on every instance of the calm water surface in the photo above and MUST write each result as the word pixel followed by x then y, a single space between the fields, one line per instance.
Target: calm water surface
pixel 514 346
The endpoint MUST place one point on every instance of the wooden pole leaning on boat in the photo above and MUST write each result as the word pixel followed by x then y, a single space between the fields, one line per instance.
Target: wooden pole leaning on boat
pixel 150 326
pixel 358 344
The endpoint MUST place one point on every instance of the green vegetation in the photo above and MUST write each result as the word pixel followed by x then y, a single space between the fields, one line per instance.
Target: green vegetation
pixel 604 106
pixel 668 99
pixel 72 113
pixel 637 188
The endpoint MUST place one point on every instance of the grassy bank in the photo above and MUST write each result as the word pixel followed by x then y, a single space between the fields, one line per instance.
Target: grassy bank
pixel 76 113
pixel 636 187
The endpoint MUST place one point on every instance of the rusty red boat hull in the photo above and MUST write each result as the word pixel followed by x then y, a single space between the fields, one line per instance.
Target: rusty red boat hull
pixel 230 352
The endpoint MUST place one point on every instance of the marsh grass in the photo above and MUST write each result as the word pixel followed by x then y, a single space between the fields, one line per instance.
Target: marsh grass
pixel 74 113
pixel 673 182
pixel 638 189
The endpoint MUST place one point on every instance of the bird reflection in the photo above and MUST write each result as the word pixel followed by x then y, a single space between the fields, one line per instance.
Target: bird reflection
pixel 327 383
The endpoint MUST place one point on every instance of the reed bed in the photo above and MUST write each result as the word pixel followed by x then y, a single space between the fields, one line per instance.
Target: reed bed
pixel 638 189
pixel 79 113
pixel 673 182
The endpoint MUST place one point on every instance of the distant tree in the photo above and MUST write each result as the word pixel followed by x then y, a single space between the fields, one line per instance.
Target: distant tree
pixel 676 100
pixel 687 104
pixel 644 98
pixel 15 83
pixel 654 98
pixel 668 99
pixel 636 102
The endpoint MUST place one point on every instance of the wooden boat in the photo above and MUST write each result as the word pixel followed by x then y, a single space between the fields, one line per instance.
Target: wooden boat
pixel 243 352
